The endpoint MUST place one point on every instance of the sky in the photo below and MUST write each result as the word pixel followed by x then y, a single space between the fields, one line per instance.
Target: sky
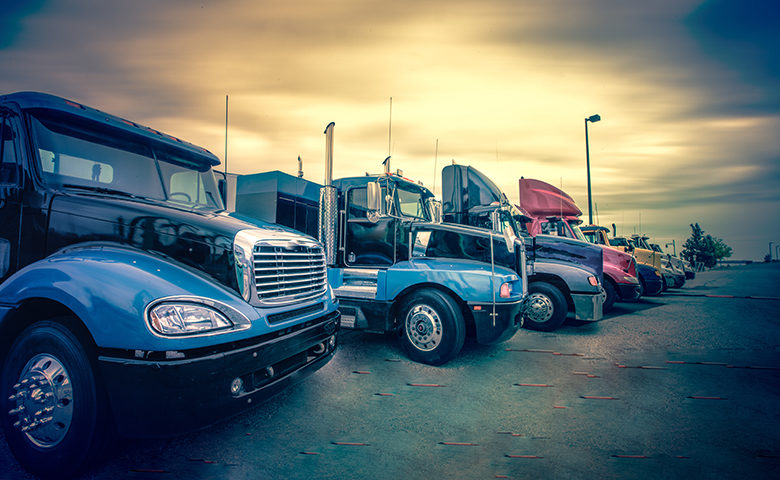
pixel 688 92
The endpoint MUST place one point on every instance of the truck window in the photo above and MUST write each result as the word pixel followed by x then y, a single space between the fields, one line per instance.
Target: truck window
pixel 411 203
pixel 78 154
pixel 80 168
pixel 9 169
pixel 357 203
pixel 187 181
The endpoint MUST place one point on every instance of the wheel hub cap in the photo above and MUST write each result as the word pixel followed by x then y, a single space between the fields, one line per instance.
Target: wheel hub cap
pixel 423 328
pixel 539 308
pixel 44 401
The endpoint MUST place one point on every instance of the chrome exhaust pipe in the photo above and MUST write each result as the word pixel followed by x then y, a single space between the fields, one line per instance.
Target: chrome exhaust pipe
pixel 328 202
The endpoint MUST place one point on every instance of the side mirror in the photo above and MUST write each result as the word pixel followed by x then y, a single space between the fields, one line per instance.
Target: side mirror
pixel 509 238
pixel 374 197
pixel 435 208
pixel 374 202
pixel 495 221
pixel 506 230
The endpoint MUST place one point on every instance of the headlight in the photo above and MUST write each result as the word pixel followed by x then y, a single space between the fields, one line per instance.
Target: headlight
pixel 594 281
pixel 505 291
pixel 186 319
pixel 244 273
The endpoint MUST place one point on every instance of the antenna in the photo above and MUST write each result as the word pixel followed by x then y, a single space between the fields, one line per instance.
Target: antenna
pixel 226 124
pixel 300 167
pixel 435 161
pixel 390 128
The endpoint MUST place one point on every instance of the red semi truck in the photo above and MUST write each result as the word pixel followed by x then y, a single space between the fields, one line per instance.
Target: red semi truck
pixel 551 211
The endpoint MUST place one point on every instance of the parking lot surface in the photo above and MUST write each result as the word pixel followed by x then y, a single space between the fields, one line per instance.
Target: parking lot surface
pixel 684 385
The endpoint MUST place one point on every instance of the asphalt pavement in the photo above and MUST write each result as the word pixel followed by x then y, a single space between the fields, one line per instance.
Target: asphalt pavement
pixel 684 385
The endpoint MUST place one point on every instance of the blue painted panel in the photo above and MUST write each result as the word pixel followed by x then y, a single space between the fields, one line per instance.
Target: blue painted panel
pixel 109 287
pixel 470 280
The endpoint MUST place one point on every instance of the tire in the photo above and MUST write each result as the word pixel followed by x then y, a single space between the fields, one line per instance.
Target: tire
pixel 611 296
pixel 50 368
pixel 545 308
pixel 432 327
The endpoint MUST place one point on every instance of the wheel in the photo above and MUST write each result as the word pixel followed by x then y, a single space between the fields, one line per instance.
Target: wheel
pixel 51 416
pixel 611 296
pixel 432 327
pixel 545 308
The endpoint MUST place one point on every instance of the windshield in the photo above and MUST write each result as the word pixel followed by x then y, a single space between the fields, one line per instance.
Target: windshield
pixel 640 242
pixel 619 242
pixel 411 202
pixel 78 154
pixel 577 232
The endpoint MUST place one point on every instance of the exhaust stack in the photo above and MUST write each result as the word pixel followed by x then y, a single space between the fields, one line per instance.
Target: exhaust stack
pixel 328 202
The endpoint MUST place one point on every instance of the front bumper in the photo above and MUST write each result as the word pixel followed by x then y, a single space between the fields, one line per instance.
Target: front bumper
pixel 156 396
pixel 588 306
pixel 628 291
pixel 498 327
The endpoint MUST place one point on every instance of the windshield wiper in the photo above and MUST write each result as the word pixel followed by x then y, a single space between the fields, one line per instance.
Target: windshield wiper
pixel 110 191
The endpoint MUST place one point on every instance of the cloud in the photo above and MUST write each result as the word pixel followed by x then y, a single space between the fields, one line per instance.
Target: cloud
pixel 687 90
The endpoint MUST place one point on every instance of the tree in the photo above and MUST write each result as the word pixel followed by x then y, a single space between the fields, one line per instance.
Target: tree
pixel 706 249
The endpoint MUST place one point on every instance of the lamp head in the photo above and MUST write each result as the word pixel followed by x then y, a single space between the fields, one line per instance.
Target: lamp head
pixel 593 118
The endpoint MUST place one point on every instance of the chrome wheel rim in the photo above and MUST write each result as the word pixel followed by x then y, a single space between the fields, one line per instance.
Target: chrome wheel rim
pixel 423 328
pixel 539 308
pixel 44 401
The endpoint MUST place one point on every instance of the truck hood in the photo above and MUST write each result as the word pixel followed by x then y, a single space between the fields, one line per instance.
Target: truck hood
pixel 540 199
pixel 200 239
pixel 585 255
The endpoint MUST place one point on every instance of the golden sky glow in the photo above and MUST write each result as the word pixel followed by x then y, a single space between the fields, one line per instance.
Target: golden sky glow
pixel 689 133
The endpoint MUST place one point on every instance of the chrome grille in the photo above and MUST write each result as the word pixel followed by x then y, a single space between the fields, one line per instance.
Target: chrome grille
pixel 286 272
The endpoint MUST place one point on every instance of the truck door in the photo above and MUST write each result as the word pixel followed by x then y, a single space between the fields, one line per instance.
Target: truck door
pixel 367 243
pixel 10 178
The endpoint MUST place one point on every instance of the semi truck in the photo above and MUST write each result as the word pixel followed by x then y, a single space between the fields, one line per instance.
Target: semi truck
pixel 131 303
pixel 651 281
pixel 563 275
pixel 554 212
pixel 394 267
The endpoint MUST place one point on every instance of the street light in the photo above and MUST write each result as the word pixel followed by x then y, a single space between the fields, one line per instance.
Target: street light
pixel 591 119
pixel 770 251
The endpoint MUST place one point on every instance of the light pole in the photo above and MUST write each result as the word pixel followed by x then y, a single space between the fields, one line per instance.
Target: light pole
pixel 591 119
pixel 770 251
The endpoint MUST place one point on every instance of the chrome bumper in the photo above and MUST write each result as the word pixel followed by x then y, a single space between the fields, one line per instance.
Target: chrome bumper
pixel 588 306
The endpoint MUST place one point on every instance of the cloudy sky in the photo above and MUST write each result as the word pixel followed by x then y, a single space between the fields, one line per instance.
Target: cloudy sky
pixel 688 92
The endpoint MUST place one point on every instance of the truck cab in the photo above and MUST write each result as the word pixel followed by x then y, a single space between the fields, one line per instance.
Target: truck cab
pixel 553 210
pixel 391 263
pixel 121 274
pixel 563 275
pixel 650 278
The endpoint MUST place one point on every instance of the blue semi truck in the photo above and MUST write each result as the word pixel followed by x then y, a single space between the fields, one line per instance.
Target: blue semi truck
pixel 130 302
pixel 391 262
